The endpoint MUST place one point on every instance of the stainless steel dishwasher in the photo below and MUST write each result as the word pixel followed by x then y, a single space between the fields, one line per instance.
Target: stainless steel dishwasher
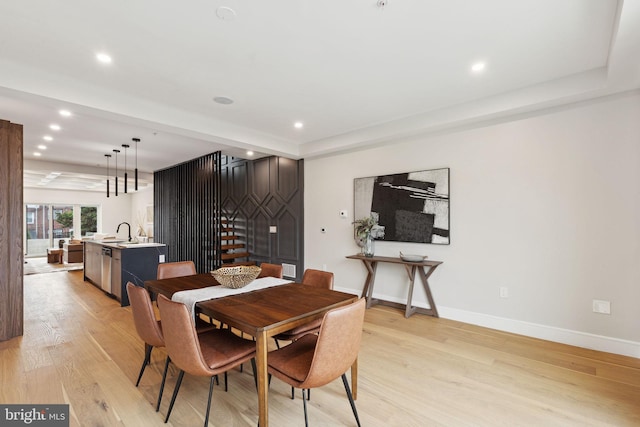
pixel 106 270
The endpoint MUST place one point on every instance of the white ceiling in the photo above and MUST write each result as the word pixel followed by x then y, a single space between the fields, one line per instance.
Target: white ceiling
pixel 355 73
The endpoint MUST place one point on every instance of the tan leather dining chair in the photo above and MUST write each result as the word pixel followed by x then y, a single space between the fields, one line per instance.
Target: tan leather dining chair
pixel 318 279
pixel 316 360
pixel 167 270
pixel 270 270
pixel 207 354
pixel 149 329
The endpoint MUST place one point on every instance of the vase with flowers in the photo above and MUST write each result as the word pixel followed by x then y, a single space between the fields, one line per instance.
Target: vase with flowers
pixel 366 230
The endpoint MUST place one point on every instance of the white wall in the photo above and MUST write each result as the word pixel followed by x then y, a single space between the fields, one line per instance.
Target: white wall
pixel 139 203
pixel 548 206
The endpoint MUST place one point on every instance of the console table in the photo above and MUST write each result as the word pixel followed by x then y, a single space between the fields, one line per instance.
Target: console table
pixel 424 268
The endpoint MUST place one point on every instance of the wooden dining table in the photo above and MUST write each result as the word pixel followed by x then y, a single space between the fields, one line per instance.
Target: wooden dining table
pixel 170 286
pixel 262 314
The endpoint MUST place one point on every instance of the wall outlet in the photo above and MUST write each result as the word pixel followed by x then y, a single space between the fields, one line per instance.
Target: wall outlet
pixel 504 292
pixel 602 307
pixel 273 229
pixel 161 258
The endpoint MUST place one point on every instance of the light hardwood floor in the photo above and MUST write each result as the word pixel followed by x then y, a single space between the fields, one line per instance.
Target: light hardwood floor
pixel 80 347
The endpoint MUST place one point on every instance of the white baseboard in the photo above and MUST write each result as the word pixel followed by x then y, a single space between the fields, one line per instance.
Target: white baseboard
pixel 549 333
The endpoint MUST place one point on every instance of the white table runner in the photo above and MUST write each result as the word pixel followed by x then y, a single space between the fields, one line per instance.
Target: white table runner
pixel 192 296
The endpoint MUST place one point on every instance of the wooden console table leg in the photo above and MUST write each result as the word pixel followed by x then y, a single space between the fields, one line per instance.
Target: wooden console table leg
pixel 367 292
pixel 425 283
pixel 367 281
pixel 409 309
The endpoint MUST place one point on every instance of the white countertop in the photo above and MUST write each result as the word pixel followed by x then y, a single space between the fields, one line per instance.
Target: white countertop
pixel 123 244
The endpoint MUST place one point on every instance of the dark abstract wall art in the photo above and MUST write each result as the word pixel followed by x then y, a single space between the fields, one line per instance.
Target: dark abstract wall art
pixel 413 206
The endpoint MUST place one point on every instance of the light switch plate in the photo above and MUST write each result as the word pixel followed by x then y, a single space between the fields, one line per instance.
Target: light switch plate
pixel 273 229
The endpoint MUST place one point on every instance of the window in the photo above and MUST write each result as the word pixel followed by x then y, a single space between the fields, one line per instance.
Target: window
pixel 47 225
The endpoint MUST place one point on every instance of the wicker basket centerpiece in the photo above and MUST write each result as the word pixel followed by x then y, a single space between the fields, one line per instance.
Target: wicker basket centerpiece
pixel 236 277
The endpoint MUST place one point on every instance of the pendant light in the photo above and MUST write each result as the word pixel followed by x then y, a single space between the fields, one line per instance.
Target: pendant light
pixel 116 151
pixel 126 175
pixel 136 140
pixel 108 156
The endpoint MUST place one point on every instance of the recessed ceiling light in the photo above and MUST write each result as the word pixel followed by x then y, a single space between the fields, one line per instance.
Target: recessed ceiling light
pixel 478 67
pixel 47 138
pixel 103 57
pixel 54 126
pixel 298 125
pixel 65 113
pixel 223 100
pixel 249 153
pixel 37 154
pixel 42 147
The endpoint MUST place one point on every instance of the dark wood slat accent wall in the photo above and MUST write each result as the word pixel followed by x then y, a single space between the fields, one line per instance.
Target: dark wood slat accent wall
pixel 262 193
pixel 11 250
pixel 186 212
pixel 195 199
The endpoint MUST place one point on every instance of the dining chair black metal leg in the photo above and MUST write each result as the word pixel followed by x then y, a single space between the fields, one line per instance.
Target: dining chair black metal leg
pixel 304 404
pixel 147 359
pixel 293 396
pixel 164 378
pixel 255 370
pixel 206 417
pixel 226 388
pixel 350 396
pixel 175 393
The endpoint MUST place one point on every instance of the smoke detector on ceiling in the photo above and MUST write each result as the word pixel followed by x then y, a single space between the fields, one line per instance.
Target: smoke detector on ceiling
pixel 226 13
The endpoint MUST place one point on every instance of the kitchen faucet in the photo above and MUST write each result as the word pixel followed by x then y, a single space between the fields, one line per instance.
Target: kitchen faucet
pixel 128 225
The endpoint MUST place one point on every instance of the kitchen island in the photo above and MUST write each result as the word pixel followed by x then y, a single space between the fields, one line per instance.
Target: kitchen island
pixel 110 264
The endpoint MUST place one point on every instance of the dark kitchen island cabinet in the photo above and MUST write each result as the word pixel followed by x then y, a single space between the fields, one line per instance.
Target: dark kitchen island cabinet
pixel 110 265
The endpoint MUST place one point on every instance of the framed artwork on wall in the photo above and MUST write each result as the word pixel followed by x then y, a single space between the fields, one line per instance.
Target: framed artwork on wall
pixel 412 206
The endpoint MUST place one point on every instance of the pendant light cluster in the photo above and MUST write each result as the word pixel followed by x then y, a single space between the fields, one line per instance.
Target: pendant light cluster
pixel 126 174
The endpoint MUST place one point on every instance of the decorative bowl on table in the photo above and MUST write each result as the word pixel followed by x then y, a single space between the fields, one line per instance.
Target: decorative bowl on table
pixel 236 277
pixel 412 258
